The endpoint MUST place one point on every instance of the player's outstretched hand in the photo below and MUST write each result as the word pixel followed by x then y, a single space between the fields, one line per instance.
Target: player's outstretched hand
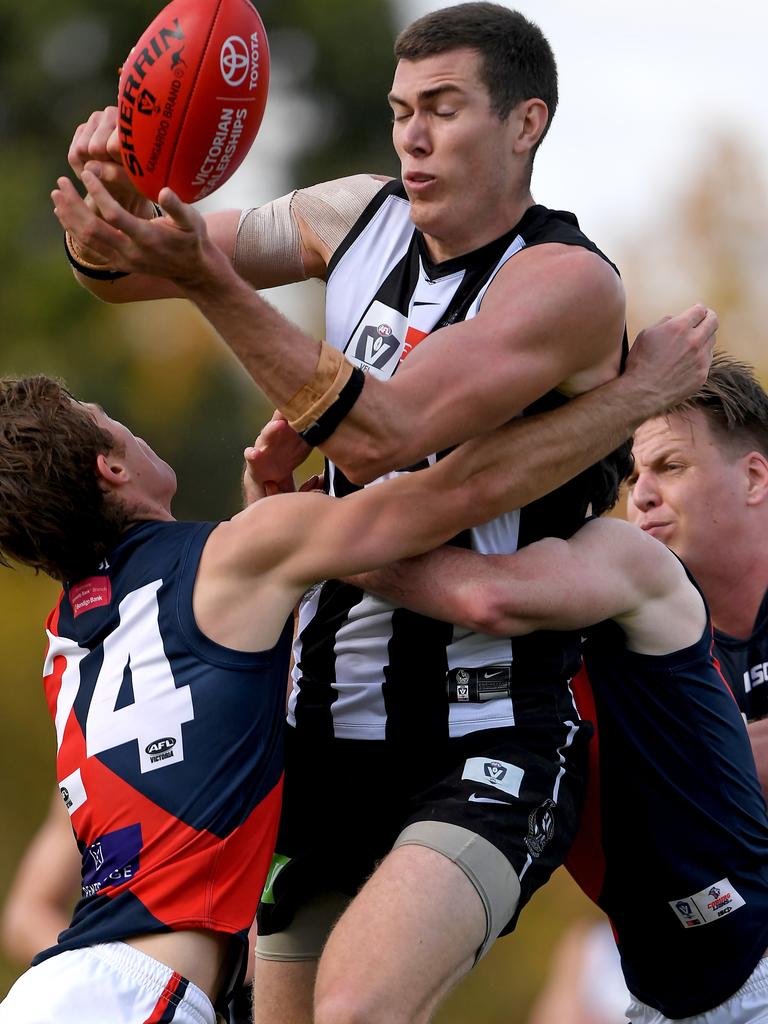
pixel 175 246
pixel 672 357
pixel 95 147
pixel 272 458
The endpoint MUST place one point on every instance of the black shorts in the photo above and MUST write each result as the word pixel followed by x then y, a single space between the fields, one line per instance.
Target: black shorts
pixel 346 802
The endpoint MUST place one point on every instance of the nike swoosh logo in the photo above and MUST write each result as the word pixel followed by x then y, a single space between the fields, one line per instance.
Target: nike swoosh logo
pixel 492 675
pixel 426 303
pixel 475 799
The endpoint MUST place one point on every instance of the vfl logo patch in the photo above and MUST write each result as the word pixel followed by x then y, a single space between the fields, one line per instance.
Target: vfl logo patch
pixel 378 341
pixel 497 774
pixel 707 905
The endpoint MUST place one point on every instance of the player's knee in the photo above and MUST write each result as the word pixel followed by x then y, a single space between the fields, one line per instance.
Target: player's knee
pixel 343 1005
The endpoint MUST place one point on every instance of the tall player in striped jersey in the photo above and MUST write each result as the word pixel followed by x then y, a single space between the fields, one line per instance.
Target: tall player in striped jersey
pixel 521 311
pixel 165 671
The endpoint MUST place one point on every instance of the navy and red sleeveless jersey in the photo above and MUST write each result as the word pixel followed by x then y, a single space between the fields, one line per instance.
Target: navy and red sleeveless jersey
pixel 169 747
pixel 744 662
pixel 674 838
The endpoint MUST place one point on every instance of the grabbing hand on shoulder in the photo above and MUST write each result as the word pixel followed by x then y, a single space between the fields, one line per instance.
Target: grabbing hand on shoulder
pixel 671 358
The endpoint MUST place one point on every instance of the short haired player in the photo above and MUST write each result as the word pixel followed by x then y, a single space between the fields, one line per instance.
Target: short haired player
pixel 700 484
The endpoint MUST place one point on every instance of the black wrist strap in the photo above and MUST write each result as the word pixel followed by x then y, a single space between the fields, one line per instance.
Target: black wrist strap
pixel 323 427
pixel 95 272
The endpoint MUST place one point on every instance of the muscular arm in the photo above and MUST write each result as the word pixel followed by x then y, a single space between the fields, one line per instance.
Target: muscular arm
pixel 608 569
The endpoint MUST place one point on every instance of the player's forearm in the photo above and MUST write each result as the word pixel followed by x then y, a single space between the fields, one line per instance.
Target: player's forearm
pixel 278 355
pixel 530 457
pixel 281 359
pixel 27 930
pixel 450 584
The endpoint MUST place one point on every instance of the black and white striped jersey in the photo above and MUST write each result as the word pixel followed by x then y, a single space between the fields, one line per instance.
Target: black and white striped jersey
pixel 365 669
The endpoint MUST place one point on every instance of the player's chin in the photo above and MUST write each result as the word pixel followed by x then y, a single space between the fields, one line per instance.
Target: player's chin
pixel 425 213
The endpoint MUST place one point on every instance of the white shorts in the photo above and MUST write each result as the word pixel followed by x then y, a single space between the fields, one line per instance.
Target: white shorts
pixel 748 1005
pixel 109 982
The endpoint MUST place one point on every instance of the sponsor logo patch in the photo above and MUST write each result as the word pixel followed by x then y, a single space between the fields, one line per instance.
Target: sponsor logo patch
pixel 90 593
pixel 497 774
pixel 707 905
pixel 160 750
pixel 73 791
pixel 112 859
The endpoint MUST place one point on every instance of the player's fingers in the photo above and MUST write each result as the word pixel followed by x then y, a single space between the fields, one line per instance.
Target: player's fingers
pixel 104 127
pixel 181 214
pixel 72 211
pixel 695 314
pixel 314 483
pixel 77 153
pixel 111 211
pixel 113 146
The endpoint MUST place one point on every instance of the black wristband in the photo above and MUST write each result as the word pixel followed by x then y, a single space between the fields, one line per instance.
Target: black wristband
pixel 323 427
pixel 97 274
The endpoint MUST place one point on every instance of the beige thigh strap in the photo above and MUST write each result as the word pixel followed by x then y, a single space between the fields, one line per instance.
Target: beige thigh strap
pixel 487 869
pixel 305 936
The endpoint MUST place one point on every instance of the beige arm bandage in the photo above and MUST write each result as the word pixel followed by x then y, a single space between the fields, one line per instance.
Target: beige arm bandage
pixel 311 401
pixel 268 244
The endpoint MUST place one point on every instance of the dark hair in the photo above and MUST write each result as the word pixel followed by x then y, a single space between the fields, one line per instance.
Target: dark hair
pixel 735 405
pixel 54 514
pixel 605 478
pixel 517 62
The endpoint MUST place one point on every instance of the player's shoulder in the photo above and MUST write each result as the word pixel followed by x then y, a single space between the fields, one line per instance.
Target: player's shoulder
pixel 647 563
pixel 623 535
pixel 264 534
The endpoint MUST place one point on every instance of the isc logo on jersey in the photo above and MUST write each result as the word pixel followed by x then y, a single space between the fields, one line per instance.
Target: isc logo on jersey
pixel 757 674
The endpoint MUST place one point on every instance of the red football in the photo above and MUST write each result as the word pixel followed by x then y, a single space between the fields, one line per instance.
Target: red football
pixel 192 96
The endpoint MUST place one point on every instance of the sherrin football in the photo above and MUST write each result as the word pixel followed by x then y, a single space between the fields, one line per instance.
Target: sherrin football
pixel 192 95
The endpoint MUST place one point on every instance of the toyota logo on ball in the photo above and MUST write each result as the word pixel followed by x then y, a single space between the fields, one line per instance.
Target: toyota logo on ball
pixel 234 60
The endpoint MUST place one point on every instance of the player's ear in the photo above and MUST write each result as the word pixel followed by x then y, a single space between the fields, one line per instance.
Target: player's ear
pixel 756 469
pixel 530 117
pixel 112 470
